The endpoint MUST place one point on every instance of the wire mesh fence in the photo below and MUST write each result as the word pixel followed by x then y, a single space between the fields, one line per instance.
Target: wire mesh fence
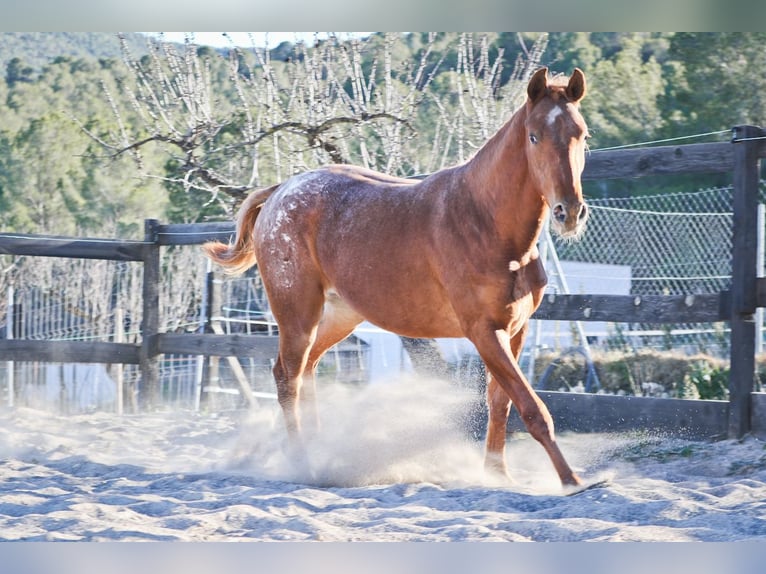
pixel 665 244
pixel 672 244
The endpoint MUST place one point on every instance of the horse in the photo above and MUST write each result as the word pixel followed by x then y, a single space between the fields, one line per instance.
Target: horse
pixel 450 255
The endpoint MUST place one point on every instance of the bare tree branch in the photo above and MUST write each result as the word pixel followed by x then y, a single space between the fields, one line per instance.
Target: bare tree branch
pixel 329 102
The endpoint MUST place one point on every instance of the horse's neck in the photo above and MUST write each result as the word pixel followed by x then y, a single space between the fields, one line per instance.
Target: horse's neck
pixel 500 180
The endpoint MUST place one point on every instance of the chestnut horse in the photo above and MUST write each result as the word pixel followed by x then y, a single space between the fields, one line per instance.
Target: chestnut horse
pixel 452 255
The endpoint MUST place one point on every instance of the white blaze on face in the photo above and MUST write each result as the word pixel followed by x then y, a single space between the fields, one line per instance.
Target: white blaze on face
pixel 553 114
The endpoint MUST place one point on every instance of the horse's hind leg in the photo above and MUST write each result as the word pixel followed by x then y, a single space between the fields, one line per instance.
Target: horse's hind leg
pixel 337 323
pixel 499 406
pixel 297 311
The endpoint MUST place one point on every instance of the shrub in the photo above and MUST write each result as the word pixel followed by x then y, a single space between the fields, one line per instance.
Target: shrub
pixel 681 376
pixel 711 382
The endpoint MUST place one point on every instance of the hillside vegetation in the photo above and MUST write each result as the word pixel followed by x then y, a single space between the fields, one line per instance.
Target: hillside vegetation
pixel 98 133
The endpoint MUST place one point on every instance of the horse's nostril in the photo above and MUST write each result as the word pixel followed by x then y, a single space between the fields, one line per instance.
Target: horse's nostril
pixel 559 213
pixel 583 212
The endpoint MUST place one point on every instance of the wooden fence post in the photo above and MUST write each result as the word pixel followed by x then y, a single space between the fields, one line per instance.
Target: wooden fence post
pixel 211 372
pixel 744 269
pixel 150 375
pixel 214 312
pixel 10 333
pixel 118 370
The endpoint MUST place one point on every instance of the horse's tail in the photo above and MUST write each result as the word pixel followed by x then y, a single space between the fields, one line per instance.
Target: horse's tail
pixel 239 256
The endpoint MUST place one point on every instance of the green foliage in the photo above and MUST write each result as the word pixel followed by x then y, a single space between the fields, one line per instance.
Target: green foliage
pixel 628 372
pixel 17 71
pixel 191 205
pixel 51 180
pixel 38 49
pixel 623 101
pixel 616 340
pixel 710 381
pixel 722 84
pixel 569 50
pixel 55 178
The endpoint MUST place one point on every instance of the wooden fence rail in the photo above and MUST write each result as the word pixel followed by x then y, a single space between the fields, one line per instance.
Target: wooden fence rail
pixel 79 248
pixel 744 412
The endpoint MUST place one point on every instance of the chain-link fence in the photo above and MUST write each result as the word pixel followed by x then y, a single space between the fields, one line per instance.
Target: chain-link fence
pixel 664 244
pixel 670 244
pixel 63 299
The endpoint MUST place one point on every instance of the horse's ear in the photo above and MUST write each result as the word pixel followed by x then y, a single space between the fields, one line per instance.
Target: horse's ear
pixel 576 88
pixel 538 84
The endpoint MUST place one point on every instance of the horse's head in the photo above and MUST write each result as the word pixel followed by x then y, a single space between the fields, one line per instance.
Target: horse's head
pixel 555 141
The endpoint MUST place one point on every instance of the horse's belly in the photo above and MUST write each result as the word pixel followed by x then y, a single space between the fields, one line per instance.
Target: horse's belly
pixel 418 313
pixel 433 326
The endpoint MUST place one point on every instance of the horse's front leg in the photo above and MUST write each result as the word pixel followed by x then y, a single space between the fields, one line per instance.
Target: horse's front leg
pixel 499 407
pixel 494 346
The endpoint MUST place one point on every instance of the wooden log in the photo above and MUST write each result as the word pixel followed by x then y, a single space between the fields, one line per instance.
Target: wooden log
pixel 661 160
pixel 211 373
pixel 237 371
pixel 262 347
pixel 635 309
pixel 583 412
pixel 118 373
pixel 68 351
pixel 36 246
pixel 194 233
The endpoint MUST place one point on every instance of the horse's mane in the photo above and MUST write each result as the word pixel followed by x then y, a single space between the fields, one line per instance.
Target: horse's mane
pixel 557 86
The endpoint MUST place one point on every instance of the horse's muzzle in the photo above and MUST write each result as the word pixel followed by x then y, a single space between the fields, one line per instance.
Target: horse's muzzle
pixel 569 218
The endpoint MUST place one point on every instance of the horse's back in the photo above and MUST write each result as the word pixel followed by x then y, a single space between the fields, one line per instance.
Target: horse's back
pixel 364 235
pixel 339 199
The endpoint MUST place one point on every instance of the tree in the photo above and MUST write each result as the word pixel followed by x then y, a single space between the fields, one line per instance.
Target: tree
pixel 35 195
pixel 623 104
pixel 723 82
pixel 267 119
pixel 569 50
pixel 50 180
pixel 17 71
pixel 333 102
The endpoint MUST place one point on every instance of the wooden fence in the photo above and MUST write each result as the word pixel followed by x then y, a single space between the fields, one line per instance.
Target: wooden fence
pixel 744 412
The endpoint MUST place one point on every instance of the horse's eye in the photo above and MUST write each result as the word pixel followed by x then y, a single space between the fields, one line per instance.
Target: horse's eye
pixel 533 138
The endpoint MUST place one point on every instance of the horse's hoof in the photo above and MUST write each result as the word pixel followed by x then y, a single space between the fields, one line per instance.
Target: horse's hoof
pixel 497 475
pixel 572 480
pixel 585 486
